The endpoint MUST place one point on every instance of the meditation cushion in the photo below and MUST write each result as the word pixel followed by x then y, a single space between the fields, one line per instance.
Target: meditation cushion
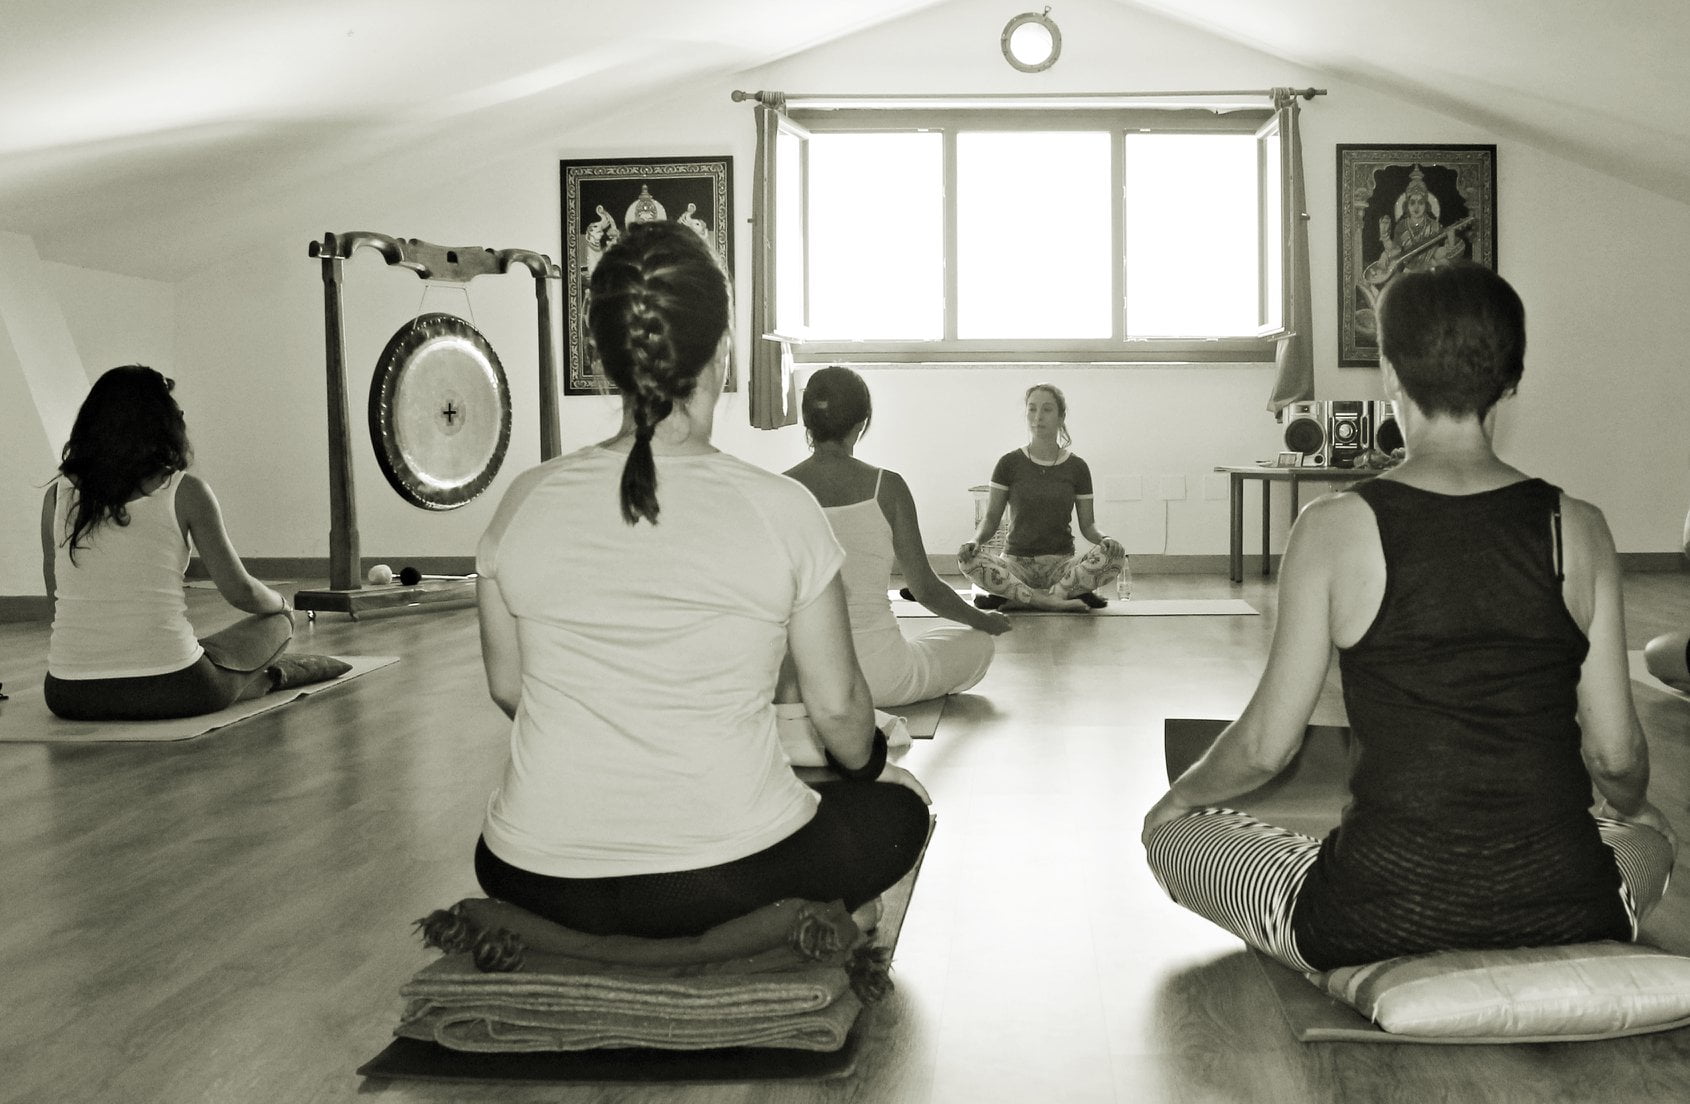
pixel 1668 659
pixel 1534 994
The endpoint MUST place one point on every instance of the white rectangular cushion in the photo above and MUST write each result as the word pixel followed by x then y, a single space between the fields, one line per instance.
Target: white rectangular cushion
pixel 1534 994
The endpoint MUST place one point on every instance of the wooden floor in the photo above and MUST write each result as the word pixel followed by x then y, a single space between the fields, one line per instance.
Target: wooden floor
pixel 228 919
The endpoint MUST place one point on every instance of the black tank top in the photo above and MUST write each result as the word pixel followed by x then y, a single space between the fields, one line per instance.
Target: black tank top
pixel 1468 824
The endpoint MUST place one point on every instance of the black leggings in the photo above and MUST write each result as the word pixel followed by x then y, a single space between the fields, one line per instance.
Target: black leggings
pixel 863 838
pixel 232 669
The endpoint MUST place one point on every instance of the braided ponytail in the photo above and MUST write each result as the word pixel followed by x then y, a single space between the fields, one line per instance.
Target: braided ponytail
pixel 658 311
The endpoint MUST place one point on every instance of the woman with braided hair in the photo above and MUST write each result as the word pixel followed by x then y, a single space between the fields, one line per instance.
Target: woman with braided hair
pixel 637 599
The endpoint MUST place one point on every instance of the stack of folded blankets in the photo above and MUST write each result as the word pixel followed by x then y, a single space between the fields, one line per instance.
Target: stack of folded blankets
pixel 793 975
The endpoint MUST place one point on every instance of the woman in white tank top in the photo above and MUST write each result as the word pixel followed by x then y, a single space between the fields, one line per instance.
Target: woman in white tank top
pixel 117 528
pixel 873 516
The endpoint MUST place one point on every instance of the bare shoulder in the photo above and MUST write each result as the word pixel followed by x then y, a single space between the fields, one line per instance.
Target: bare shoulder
pixel 1583 519
pixel 893 487
pixel 1585 535
pixel 1335 515
pixel 194 498
pixel 1336 535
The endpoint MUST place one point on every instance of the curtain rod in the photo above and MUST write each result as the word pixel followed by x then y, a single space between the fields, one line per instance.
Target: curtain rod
pixel 1098 99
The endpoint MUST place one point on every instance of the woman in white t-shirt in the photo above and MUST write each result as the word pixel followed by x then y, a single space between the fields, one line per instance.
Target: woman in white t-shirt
pixel 117 528
pixel 637 598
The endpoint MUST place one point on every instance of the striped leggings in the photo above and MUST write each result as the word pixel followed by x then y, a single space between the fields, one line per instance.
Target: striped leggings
pixel 1243 874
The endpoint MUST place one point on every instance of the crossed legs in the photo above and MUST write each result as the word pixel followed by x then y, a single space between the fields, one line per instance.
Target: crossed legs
pixel 1044 582
pixel 1244 874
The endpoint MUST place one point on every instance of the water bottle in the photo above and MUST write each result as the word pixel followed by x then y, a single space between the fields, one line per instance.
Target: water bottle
pixel 1124 581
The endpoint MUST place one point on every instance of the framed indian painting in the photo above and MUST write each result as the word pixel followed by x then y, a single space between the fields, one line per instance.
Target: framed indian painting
pixel 1405 208
pixel 601 198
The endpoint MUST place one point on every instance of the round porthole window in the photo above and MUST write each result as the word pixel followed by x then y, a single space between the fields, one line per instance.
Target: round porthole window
pixel 1031 41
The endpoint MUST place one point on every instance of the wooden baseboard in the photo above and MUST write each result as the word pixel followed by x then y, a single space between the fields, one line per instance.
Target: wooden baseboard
pixel 1642 562
pixel 298 569
pixel 304 568
pixel 25 607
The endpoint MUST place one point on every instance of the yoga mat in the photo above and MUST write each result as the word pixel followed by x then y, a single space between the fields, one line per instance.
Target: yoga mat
pixel 415 1059
pixel 1308 796
pixel 26 719
pixel 922 717
pixel 1640 674
pixel 1132 607
pixel 420 1060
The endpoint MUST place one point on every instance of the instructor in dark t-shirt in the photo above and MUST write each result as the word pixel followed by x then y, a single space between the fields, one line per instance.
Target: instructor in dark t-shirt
pixel 1042 485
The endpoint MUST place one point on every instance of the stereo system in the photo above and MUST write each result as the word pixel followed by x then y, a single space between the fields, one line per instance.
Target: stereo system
pixel 1338 433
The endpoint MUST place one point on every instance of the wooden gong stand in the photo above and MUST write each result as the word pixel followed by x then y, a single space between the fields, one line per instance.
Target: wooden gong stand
pixel 447 264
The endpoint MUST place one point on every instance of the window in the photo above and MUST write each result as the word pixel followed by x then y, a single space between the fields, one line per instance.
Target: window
pixel 1083 235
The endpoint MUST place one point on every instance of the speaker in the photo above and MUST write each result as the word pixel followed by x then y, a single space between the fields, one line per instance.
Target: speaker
pixel 1306 431
pixel 1330 433
pixel 1387 431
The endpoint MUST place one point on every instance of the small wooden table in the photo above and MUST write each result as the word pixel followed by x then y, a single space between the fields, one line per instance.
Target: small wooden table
pixel 1269 474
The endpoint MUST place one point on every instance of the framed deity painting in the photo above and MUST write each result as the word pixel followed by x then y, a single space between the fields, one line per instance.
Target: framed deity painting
pixel 1404 208
pixel 600 199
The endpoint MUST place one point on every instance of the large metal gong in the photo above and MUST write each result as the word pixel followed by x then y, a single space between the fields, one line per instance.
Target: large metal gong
pixel 440 412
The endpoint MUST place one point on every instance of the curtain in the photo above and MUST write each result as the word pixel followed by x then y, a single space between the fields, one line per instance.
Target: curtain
pixel 774 395
pixel 1294 357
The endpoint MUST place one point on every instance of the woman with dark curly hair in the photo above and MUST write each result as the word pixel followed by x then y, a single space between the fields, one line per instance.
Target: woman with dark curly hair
pixel 117 528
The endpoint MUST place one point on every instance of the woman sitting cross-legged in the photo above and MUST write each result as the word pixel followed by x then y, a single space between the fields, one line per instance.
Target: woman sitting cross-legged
pixel 1042 485
pixel 873 516
pixel 637 600
pixel 117 528
pixel 1478 621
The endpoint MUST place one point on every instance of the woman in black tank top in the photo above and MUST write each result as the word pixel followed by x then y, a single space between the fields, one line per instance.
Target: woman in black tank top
pixel 1477 617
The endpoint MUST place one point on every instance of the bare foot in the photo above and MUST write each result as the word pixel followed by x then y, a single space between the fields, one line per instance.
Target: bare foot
pixel 867 916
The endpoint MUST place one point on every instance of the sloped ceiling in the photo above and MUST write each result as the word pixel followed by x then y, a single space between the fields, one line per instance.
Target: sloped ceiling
pixel 119 114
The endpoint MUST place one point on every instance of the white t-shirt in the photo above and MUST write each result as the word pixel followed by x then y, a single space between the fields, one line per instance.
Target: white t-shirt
pixel 645 738
pixel 119 610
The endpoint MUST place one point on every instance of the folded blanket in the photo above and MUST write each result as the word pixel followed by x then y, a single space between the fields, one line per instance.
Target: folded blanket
pixel 792 975
pixel 559 1004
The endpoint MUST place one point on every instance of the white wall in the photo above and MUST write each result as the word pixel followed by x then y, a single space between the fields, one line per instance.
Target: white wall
pixel 1598 263
pixel 41 384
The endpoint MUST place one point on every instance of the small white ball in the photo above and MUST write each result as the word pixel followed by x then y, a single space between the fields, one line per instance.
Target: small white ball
pixel 380 575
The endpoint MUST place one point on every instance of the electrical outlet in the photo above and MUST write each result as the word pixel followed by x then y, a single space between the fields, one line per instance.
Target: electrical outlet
pixel 1170 488
pixel 1123 488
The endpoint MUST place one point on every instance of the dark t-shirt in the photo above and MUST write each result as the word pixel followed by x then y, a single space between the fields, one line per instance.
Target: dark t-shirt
pixel 1041 500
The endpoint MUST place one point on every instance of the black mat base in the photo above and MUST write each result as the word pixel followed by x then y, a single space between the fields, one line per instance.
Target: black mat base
pixel 415 1059
pixel 418 1060
pixel 1308 796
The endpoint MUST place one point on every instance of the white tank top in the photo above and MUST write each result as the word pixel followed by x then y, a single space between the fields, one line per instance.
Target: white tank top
pixel 119 610
pixel 863 531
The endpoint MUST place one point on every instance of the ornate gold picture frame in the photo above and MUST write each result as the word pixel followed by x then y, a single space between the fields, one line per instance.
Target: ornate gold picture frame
pixel 600 197
pixel 1402 208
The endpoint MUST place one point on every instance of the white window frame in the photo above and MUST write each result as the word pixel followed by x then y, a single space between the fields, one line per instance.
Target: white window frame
pixel 1117 348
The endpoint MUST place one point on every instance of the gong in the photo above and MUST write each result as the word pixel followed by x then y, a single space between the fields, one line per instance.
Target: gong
pixel 440 412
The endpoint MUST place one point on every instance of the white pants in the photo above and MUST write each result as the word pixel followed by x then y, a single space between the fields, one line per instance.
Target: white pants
pixel 943 660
